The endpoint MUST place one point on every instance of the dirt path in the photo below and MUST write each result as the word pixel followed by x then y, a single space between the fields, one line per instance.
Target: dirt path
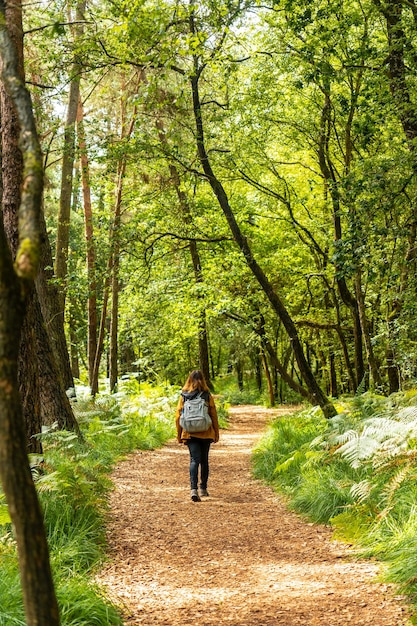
pixel 238 557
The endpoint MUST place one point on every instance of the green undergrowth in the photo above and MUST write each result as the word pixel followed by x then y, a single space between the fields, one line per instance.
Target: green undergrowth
pixel 73 483
pixel 356 472
pixel 228 388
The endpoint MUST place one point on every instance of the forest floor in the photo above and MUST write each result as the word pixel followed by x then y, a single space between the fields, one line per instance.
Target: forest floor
pixel 238 557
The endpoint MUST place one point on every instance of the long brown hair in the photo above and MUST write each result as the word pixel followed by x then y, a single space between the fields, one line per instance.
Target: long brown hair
pixel 195 381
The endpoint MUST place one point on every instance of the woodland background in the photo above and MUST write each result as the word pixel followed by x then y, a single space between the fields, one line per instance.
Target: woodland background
pixel 308 115
pixel 226 184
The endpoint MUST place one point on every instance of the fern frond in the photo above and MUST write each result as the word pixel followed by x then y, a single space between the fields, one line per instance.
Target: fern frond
pixel 318 441
pixel 397 480
pixel 362 386
pixel 295 458
pixel 407 414
pixel 361 491
pixel 348 435
pixel 358 449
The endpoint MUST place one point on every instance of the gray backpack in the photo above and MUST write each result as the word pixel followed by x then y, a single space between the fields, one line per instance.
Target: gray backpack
pixel 195 417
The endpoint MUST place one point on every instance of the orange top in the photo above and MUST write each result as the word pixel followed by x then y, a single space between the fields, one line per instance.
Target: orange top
pixel 210 433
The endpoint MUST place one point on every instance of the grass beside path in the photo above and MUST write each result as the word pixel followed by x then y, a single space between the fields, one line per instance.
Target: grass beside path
pixel 356 472
pixel 73 483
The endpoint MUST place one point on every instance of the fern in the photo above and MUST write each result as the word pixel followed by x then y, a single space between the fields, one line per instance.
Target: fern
pixel 362 490
pixel 357 449
pixel 358 471
pixel 362 386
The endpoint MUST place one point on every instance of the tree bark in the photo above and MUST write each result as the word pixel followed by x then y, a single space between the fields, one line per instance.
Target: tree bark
pixel 52 312
pixel 55 405
pixel 37 584
pixel 30 361
pixel 333 377
pixel 12 167
pixel 28 377
pixel 315 393
pixel 73 340
pixel 373 366
pixel 114 320
pixel 268 380
pixel 89 238
pixel 103 323
pixel 64 214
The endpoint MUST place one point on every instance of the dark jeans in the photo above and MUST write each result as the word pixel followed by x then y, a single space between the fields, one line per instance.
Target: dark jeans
pixel 199 457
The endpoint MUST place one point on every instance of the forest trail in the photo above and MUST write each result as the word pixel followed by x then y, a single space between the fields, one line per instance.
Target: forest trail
pixel 239 557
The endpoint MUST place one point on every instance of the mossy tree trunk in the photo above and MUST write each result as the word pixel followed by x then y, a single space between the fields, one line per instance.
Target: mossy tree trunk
pixel 16 280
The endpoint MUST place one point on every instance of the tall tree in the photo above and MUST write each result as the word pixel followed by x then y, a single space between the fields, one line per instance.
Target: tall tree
pixel 37 585
pixel 62 239
pixel 184 205
pixel 316 394
pixel 31 369
pixel 90 245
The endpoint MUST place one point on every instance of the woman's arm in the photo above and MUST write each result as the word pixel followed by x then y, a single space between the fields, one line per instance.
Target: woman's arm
pixel 177 418
pixel 214 419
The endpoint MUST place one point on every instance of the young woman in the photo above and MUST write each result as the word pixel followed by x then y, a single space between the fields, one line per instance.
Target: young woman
pixel 198 443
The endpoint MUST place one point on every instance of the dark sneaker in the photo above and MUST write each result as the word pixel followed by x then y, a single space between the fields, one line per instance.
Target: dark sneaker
pixel 194 496
pixel 203 492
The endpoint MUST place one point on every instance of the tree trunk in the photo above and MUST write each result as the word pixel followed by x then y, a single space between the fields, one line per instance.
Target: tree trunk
pixel 29 377
pixel 114 323
pixel 89 238
pixel 239 374
pixel 315 393
pixel 397 42
pixel 258 371
pixel 333 377
pixel 73 341
pixel 281 368
pixel 54 402
pixel 406 111
pixel 102 326
pixel 111 276
pixel 12 173
pixel 393 374
pixel 64 214
pixel 328 173
pixel 30 361
pixel 12 167
pixel 268 380
pixel 37 584
pixel 203 351
pixel 376 378
pixel 114 320
pixel 36 578
pixel 52 312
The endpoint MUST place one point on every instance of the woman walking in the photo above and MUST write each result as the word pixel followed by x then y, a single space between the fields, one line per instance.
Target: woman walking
pixel 198 442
